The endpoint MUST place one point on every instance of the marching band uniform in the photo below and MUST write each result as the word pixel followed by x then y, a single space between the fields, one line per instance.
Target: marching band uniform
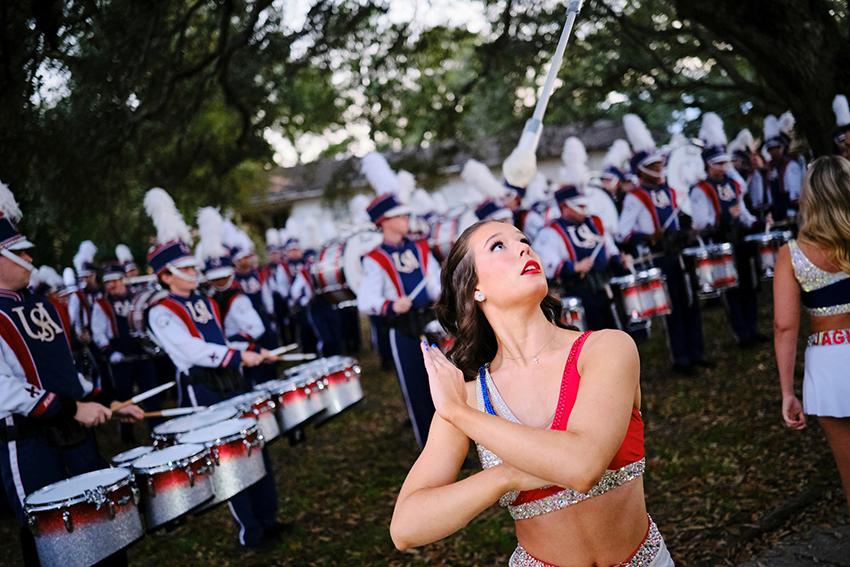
pixel 711 201
pixel 129 364
pixel 254 286
pixel 564 242
pixel 529 221
pixel 321 315
pixel 40 442
pixel 190 331
pixel 651 219
pixel 302 330
pixel 389 273
pixel 784 174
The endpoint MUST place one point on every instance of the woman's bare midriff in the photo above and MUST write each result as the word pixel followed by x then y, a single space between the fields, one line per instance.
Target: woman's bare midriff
pixel 829 322
pixel 604 530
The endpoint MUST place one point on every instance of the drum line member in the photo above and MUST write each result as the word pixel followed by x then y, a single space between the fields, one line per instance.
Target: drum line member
pixel 587 444
pixel 815 270
pixel 301 328
pixel 580 255
pixel 252 283
pixel 188 326
pixel 128 363
pixel 784 175
pixel 391 272
pixel 44 416
pixel 718 211
pixel 651 221
pixel 525 219
pixel 613 178
pixel 324 319
pixel 278 283
pixel 750 167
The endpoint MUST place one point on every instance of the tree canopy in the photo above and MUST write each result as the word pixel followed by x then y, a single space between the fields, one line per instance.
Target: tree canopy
pixel 101 100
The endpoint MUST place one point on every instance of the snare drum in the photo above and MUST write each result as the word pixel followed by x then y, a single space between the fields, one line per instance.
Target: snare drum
pixel 714 268
pixel 628 290
pixel 768 245
pixel 654 296
pixel 341 378
pixel 236 449
pixel 259 405
pixel 297 403
pixel 127 457
pixel 84 519
pixel 337 272
pixel 165 434
pixel 573 313
pixel 444 233
pixel 173 481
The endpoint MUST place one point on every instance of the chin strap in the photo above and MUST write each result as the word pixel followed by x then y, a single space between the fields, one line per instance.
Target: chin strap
pixel 17 259
pixel 226 286
pixel 657 175
pixel 178 273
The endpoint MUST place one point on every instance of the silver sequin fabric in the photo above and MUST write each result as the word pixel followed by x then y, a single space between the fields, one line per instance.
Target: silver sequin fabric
pixel 644 557
pixel 812 278
pixel 566 497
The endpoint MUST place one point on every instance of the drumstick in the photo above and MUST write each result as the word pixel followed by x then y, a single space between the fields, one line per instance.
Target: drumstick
pixel 144 396
pixel 172 412
pixel 298 356
pixel 280 350
pixel 418 289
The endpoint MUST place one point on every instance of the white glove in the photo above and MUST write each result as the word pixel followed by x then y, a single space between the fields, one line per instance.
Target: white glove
pixel 116 357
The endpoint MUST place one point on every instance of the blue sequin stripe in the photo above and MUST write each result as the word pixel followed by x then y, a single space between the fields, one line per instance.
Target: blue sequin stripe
pixel 482 378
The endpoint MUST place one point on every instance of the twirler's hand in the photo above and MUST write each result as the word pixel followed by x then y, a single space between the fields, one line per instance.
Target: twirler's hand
pixel 792 412
pixel 445 380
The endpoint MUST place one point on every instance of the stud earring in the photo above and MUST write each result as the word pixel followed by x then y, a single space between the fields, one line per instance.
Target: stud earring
pixel 479 296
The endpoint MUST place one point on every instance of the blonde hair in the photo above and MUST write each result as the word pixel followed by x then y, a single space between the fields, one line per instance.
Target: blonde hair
pixel 825 209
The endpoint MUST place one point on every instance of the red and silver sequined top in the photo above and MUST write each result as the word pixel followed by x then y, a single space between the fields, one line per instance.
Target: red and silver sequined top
pixel 627 465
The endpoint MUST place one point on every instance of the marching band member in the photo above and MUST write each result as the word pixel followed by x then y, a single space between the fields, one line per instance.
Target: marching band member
pixel 568 461
pixel 322 317
pixel 254 286
pixel 613 178
pixel 392 272
pixel 81 301
pixel 815 270
pixel 651 222
pixel 44 435
pixel 719 211
pixel 278 282
pixel 841 134
pixel 189 328
pixel 749 166
pixel 295 262
pixel 784 175
pixel 129 364
pixel 580 254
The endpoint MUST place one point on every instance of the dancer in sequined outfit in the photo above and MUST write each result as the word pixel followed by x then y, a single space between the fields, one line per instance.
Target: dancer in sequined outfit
pixel 555 415
pixel 815 270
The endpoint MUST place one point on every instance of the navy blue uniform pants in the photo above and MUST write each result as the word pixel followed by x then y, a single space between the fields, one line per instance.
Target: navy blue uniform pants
pixel 141 375
pixel 351 340
pixel 413 379
pixel 253 509
pixel 381 340
pixel 327 325
pixel 684 324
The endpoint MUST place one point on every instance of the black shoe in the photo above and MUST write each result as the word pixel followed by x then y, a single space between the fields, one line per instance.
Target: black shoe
pixel 707 364
pixel 264 544
pixel 683 369
pixel 279 529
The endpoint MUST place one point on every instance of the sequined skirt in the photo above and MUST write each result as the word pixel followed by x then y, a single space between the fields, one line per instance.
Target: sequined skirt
pixel 826 386
pixel 651 553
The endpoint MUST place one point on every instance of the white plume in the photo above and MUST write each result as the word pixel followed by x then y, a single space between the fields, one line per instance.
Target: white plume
pixel 711 131
pixel 123 253
pixel 311 236
pixel 786 123
pixel 440 202
pixel 638 134
pixel 210 231
pixel 841 110
pixel 69 277
pixel 406 186
pixel 85 253
pixel 537 191
pixel 8 205
pixel 293 226
pixel 234 237
pixel 618 154
pixel 771 127
pixel 422 203
pixel 357 206
pixel 379 173
pixel 272 238
pixel 327 227
pixel 743 141
pixel 49 277
pixel 575 170
pixel 166 218
pixel 482 179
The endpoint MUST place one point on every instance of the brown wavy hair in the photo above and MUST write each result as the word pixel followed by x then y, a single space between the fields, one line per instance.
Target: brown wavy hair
pixel 461 316
pixel 825 209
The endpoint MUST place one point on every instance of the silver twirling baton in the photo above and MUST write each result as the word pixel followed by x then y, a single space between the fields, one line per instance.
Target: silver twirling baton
pixel 145 395
pixel 519 168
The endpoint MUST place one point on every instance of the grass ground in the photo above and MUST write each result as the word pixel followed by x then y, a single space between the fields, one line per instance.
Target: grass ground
pixel 719 462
